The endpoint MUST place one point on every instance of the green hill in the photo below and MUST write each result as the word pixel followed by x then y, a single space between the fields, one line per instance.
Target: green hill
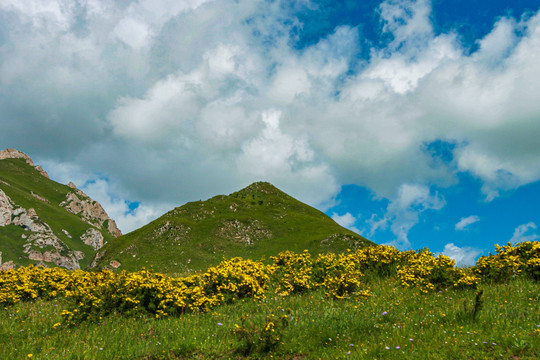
pixel 44 222
pixel 258 221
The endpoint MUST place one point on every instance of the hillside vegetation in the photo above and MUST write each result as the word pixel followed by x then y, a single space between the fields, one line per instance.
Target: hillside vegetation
pixel 375 302
pixel 36 229
pixel 258 221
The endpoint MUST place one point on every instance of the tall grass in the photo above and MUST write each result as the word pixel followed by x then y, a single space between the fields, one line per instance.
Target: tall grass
pixel 396 322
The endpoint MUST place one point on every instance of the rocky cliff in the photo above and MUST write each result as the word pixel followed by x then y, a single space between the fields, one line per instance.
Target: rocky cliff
pixel 40 244
pixel 90 211
pixel 46 223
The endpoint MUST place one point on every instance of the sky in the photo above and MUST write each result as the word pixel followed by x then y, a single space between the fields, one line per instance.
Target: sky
pixel 412 122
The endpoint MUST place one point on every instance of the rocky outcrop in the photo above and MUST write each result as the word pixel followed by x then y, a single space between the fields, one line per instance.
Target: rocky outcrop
pixel 8 265
pixel 6 209
pixel 245 232
pixel 90 211
pixel 93 238
pixel 38 242
pixel 16 154
pixel 41 236
pixel 39 197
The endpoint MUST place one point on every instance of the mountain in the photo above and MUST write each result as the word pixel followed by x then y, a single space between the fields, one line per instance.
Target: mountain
pixel 258 221
pixel 44 222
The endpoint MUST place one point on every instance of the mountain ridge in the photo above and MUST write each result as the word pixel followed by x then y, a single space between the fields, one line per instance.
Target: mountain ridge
pixel 257 221
pixel 46 223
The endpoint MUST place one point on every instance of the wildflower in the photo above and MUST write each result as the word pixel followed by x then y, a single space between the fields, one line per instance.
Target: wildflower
pixel 220 324
pixel 384 313
pixel 397 347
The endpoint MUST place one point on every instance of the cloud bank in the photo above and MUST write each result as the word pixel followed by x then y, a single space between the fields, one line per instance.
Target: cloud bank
pixel 178 101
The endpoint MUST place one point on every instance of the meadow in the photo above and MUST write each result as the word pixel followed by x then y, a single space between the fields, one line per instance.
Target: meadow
pixel 373 303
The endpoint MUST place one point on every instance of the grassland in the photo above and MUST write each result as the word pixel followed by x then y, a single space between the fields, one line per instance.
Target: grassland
pixel 410 305
pixel 395 322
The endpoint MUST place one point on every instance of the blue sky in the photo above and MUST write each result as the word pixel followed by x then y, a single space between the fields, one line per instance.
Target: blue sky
pixel 413 122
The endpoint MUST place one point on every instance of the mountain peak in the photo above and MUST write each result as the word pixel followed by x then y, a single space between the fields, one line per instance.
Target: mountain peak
pixel 259 189
pixel 257 221
pixel 16 154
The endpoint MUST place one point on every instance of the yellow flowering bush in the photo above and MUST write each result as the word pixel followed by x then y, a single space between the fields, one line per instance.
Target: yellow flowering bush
pixel 380 260
pixel 30 282
pixel 237 278
pixel 94 294
pixel 293 272
pixel 511 261
pixel 429 272
pixel 339 275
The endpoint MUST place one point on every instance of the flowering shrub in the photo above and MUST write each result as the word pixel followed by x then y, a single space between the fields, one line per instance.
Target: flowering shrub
pixel 339 275
pixel 237 278
pixel 428 272
pixel 381 260
pixel 511 261
pixel 97 294
pixel 293 272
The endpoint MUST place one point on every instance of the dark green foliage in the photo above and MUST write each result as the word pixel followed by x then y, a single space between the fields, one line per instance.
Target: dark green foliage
pixel 258 221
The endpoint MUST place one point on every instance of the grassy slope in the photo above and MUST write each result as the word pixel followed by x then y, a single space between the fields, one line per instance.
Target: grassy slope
pixel 195 237
pixel 23 179
pixel 423 326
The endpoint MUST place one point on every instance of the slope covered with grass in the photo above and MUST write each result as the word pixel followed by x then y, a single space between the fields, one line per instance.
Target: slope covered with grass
pixel 131 315
pixel 25 186
pixel 258 221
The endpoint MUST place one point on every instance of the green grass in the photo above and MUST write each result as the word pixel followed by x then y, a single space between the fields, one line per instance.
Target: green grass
pixel 202 233
pixel 431 326
pixel 23 180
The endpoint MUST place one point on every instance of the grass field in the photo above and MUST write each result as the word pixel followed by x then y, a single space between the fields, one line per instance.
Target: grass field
pixel 395 322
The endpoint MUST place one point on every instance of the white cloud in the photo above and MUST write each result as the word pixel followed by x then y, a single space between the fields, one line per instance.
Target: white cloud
pixel 346 220
pixel 464 256
pixel 465 222
pixel 525 232
pixel 173 93
pixel 404 212
pixel 101 190
pixel 118 209
pixel 132 32
pixel 282 159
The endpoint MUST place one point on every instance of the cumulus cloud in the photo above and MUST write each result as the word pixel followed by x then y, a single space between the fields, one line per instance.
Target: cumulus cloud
pixel 524 232
pixel 404 212
pixel 464 223
pixel 128 215
pixel 203 97
pixel 346 220
pixel 464 256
